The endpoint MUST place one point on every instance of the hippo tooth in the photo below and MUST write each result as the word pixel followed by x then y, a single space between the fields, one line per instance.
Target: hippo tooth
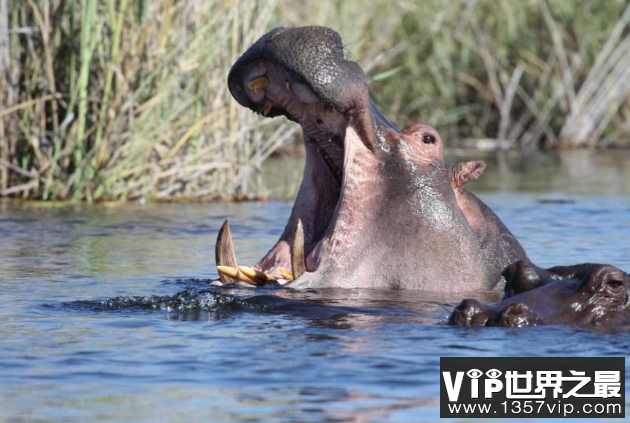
pixel 259 83
pixel 224 252
pixel 236 274
pixel 298 262
pixel 256 275
pixel 286 273
pixel 267 107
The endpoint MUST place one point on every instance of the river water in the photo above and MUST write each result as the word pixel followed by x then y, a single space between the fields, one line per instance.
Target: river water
pixel 106 314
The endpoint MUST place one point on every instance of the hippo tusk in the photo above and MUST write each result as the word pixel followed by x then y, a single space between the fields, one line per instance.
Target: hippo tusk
pixel 233 273
pixel 256 275
pixel 224 252
pixel 259 83
pixel 286 273
pixel 298 263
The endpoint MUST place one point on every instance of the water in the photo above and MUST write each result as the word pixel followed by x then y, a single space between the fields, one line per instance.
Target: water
pixel 106 314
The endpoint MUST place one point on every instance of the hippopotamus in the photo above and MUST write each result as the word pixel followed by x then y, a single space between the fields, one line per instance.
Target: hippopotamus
pixel 584 294
pixel 377 207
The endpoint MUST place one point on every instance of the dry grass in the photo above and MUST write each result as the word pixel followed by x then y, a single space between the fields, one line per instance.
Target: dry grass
pixel 126 99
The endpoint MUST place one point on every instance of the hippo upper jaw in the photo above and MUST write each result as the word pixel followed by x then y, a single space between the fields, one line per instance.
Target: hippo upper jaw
pixel 310 56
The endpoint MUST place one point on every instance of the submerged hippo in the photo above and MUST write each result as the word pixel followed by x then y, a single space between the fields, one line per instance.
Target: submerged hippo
pixel 585 294
pixel 377 207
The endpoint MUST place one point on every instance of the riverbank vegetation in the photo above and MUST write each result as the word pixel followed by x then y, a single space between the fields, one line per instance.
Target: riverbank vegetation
pixel 127 99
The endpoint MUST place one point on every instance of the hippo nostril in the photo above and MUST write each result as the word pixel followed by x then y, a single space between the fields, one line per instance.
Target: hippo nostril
pixel 468 313
pixel 514 315
pixel 319 121
pixel 468 306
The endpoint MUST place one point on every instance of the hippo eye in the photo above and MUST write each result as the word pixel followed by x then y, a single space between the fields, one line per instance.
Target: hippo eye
pixel 428 139
pixel 614 284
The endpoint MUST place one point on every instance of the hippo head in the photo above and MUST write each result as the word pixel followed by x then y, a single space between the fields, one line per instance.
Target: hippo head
pixel 589 294
pixel 372 196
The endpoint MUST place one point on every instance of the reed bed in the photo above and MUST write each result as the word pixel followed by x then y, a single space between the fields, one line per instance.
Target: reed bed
pixel 127 99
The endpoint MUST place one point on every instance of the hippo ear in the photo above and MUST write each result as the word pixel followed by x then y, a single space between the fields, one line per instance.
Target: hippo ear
pixel 522 276
pixel 464 172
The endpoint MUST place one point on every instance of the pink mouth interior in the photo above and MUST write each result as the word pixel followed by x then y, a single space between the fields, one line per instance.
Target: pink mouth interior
pixel 324 132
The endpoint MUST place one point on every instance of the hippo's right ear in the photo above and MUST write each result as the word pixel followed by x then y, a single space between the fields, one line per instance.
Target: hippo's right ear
pixel 464 172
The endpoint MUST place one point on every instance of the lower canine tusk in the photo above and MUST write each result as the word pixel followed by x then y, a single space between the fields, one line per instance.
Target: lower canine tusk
pixel 255 274
pixel 285 273
pixel 298 262
pixel 224 252
pixel 236 274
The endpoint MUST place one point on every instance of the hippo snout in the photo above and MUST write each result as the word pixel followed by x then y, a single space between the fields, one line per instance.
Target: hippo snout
pixel 469 313
pixel 472 313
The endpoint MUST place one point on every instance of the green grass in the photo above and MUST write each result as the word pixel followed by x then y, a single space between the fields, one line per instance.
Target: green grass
pixel 127 99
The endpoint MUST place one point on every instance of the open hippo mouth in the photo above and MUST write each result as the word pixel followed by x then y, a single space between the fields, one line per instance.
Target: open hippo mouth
pixel 301 73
